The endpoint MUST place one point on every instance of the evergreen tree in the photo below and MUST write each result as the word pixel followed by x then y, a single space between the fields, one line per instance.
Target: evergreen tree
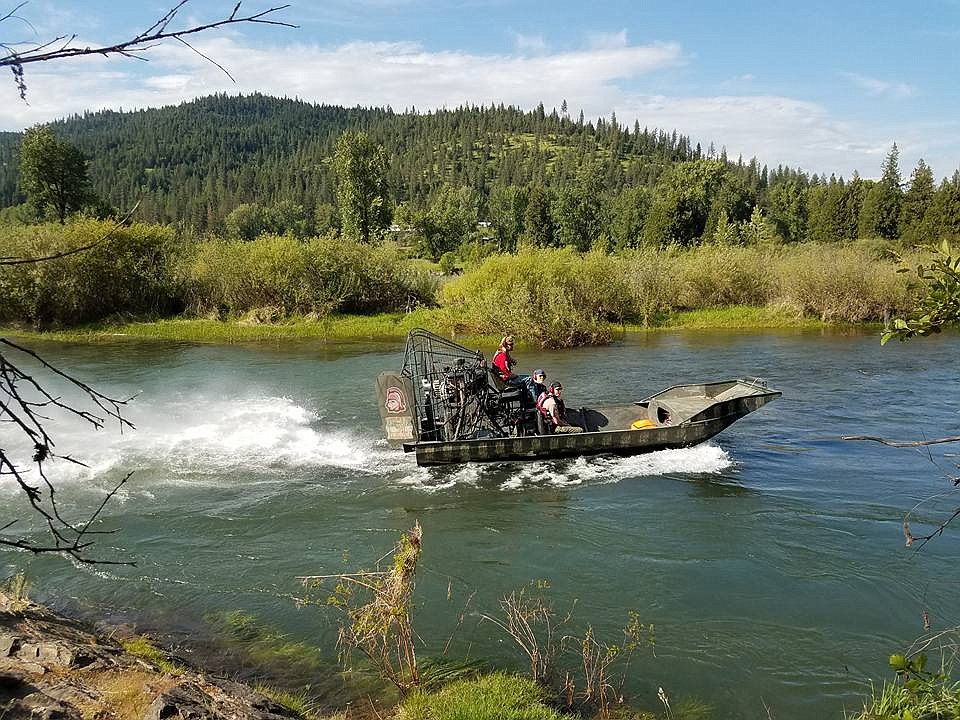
pixel 788 209
pixel 916 203
pixel 880 214
pixel 537 220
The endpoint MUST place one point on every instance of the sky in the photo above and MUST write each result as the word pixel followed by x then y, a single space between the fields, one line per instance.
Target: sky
pixel 824 86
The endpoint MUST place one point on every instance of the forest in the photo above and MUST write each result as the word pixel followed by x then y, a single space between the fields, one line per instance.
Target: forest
pixel 556 180
pixel 260 210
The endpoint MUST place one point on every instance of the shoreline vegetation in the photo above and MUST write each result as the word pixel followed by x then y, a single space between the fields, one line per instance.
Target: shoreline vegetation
pixel 149 281
pixel 395 326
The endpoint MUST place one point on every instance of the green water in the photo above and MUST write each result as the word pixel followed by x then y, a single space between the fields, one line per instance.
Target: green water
pixel 770 560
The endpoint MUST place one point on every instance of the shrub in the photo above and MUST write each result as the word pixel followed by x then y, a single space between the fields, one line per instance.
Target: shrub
pixel 712 275
pixel 492 697
pixel 128 269
pixel 652 274
pixel 841 283
pixel 324 275
pixel 556 298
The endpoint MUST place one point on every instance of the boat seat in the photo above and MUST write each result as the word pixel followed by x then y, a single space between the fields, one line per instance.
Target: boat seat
pixel 507 393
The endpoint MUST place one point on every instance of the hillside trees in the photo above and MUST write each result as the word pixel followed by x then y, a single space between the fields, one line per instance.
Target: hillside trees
pixel 361 170
pixel 53 173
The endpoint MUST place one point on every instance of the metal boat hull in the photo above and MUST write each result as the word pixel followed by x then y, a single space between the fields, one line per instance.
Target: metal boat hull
pixel 701 426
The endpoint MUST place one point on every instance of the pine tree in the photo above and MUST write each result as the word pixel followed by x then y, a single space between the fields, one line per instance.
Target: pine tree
pixel 916 203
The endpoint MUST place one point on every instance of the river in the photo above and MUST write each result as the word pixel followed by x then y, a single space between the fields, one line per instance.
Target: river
pixel 771 560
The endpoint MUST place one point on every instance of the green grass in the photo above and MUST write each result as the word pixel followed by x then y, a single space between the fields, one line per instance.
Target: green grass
pixel 732 317
pixel 334 327
pixel 492 697
pixel 141 647
pixel 299 703
pixel 896 702
pixel 395 326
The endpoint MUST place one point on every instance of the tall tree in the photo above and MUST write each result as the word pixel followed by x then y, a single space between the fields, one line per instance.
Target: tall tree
pixel 880 214
pixel 53 173
pixel 788 209
pixel 916 202
pixel 537 221
pixel 449 220
pixel 361 168
pixel 683 200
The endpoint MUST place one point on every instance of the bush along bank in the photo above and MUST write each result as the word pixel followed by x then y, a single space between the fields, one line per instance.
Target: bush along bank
pixel 551 297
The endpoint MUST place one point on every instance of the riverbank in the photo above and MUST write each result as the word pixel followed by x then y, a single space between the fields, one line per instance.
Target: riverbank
pixel 55 667
pixel 395 326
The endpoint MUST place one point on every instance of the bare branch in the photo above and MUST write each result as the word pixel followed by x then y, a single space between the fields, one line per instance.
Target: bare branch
pixel 158 32
pixel 903 443
pixel 909 538
pixel 19 409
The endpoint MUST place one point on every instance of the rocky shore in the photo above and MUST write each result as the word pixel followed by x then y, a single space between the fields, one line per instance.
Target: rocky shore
pixel 54 668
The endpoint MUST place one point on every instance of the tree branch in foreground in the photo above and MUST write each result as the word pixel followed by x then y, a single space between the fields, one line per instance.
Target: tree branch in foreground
pixel 23 402
pixel 61 47
pixel 909 538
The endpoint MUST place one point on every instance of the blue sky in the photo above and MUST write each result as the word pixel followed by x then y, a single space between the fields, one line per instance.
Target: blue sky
pixel 826 86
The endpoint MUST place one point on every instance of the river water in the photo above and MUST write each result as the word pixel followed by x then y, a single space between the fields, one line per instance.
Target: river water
pixel 771 560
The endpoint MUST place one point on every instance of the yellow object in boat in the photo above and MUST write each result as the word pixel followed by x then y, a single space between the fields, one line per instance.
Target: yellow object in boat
pixel 642 424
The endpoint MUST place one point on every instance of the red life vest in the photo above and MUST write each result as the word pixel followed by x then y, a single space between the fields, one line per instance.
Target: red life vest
pixel 561 408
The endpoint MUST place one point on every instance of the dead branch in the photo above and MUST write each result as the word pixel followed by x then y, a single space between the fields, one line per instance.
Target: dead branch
pixel 22 399
pixel 158 32
pixel 909 538
pixel 903 443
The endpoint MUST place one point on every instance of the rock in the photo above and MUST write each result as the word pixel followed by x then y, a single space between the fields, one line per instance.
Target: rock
pixel 40 706
pixel 8 644
pixel 51 666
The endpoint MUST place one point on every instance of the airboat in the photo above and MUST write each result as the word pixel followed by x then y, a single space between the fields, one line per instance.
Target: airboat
pixel 448 405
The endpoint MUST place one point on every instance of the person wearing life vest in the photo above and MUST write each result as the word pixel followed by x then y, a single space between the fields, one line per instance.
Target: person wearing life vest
pixel 550 404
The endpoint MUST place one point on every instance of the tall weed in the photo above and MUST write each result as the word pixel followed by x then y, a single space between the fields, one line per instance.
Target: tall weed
pixel 846 283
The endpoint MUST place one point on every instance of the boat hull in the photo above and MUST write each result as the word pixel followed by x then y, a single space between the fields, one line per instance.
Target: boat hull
pixel 698 429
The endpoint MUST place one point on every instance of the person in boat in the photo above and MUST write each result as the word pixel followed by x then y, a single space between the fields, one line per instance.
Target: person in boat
pixel 537 384
pixel 550 404
pixel 503 363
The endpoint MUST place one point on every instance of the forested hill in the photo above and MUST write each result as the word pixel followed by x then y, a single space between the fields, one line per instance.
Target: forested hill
pixel 199 160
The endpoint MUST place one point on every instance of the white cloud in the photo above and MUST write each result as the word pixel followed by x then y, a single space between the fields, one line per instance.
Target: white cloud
pixel 606 41
pixel 774 128
pixel 876 86
pixel 529 44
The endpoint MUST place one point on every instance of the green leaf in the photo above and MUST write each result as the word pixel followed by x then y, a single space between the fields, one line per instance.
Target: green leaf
pixel 898 662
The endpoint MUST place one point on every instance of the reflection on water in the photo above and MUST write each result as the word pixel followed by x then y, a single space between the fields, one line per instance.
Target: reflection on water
pixel 770 560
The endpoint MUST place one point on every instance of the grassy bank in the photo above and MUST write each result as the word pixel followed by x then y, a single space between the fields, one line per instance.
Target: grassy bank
pixel 395 326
